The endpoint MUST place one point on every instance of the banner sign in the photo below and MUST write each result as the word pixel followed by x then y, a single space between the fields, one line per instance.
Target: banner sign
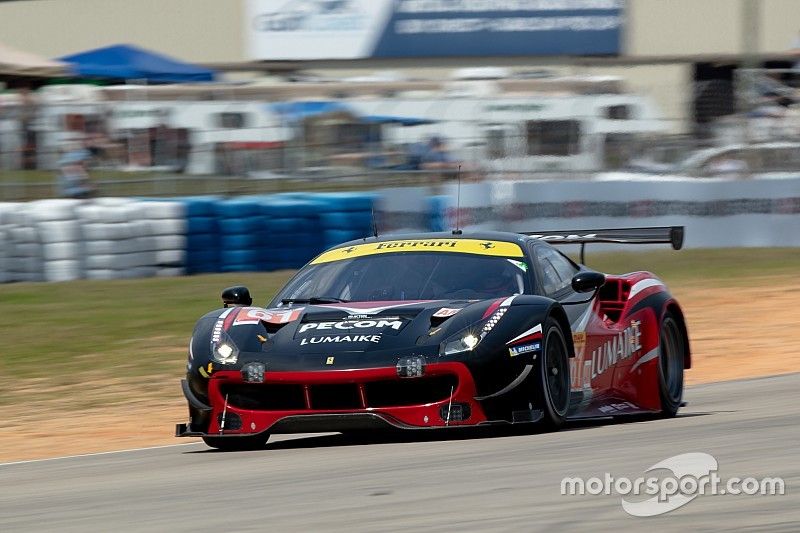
pixel 354 29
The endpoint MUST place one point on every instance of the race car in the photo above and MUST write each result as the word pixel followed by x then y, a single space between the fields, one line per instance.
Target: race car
pixel 438 331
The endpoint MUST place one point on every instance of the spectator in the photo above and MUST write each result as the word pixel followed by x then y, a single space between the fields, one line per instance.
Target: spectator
pixel 73 179
pixel 437 157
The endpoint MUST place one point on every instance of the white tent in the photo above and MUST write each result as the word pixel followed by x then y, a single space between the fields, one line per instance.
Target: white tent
pixel 18 63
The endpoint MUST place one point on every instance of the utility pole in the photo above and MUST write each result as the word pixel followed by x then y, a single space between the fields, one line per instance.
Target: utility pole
pixel 746 75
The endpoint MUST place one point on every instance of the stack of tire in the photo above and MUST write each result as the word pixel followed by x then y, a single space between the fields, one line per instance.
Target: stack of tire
pixel 7 211
pixel 163 233
pixel 116 244
pixel 344 216
pixel 61 238
pixel 292 231
pixel 24 259
pixel 202 235
pixel 242 232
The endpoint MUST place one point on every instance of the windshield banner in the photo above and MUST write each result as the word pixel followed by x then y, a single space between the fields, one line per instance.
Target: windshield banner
pixel 464 246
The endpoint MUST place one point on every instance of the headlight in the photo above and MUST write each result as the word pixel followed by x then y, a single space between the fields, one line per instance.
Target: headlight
pixel 225 350
pixel 467 339
pixel 463 341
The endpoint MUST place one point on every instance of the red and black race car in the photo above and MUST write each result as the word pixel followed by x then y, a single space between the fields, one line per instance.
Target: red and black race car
pixel 436 331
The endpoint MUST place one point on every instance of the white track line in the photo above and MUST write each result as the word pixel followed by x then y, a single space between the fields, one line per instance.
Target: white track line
pixel 97 453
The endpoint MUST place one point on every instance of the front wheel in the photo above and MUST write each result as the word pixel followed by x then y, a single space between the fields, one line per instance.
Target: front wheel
pixel 553 373
pixel 232 443
pixel 672 353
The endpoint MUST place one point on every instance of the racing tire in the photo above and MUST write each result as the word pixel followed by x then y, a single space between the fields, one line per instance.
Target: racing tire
pixel 672 354
pixel 552 383
pixel 233 444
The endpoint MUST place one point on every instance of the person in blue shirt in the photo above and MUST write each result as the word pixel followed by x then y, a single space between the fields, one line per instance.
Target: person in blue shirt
pixel 73 179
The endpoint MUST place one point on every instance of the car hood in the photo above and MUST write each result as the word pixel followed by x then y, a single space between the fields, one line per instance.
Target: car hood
pixel 362 327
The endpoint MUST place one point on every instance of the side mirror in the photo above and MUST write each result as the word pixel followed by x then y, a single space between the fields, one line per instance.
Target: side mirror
pixel 236 296
pixel 587 281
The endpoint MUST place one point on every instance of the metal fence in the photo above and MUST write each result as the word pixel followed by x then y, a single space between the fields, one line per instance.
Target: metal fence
pixel 150 142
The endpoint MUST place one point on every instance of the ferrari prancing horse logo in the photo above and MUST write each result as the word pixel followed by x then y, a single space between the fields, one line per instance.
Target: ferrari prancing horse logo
pixel 329 361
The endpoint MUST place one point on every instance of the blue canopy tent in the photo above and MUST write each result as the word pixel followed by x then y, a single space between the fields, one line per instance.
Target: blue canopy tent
pixel 126 62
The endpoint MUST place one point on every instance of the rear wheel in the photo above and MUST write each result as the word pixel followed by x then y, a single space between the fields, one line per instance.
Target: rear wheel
pixel 552 389
pixel 672 353
pixel 249 442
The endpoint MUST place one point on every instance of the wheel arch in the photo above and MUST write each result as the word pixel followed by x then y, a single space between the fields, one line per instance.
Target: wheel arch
pixel 673 307
pixel 558 313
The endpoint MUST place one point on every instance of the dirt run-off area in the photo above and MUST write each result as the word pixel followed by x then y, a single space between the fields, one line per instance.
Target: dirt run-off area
pixel 736 332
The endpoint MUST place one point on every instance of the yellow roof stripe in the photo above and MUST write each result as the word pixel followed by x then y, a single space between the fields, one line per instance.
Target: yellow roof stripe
pixel 464 246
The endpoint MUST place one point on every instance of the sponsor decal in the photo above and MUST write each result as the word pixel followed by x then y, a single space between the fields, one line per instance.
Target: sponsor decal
pixel 649 356
pixel 525 348
pixel 522 265
pixel 445 312
pixel 216 332
pixel 329 360
pixel 206 373
pixel 532 334
pixel 579 341
pixel 468 246
pixel 340 338
pixel 393 323
pixel 574 237
pixel 626 344
pixel 363 309
pixel 254 315
pixel 616 407
pixel 642 285
pixel 219 325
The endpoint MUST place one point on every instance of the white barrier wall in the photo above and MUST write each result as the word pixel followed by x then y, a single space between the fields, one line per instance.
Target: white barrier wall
pixel 716 212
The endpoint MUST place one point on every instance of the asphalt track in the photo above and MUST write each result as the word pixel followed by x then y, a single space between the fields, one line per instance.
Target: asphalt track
pixel 461 482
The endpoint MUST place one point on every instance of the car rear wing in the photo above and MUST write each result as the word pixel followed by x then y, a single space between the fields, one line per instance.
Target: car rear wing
pixel 672 235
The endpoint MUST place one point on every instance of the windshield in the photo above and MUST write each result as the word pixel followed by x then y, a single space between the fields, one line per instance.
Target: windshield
pixel 407 276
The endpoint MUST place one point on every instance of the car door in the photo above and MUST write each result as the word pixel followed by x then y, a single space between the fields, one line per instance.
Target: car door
pixel 589 332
